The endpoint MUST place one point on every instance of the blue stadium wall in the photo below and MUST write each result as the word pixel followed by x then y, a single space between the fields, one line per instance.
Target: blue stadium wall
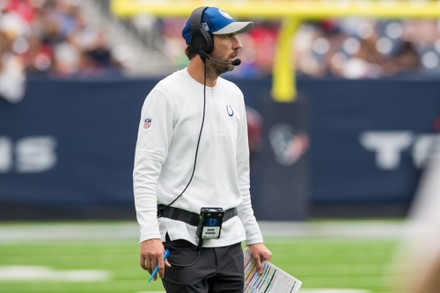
pixel 345 148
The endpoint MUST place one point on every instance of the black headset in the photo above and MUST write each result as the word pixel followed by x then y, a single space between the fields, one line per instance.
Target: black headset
pixel 201 40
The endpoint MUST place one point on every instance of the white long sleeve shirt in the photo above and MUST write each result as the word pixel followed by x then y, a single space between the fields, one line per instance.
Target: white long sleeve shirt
pixel 165 152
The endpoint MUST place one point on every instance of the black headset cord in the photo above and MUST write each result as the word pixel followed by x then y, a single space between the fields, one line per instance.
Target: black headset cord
pixel 194 169
pixel 198 140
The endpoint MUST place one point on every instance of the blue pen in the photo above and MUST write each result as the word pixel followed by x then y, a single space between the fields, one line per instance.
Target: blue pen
pixel 165 256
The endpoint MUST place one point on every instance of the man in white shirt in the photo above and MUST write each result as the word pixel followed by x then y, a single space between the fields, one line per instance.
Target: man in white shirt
pixel 191 172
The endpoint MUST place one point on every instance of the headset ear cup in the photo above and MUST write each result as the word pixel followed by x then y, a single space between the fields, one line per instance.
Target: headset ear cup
pixel 201 40
pixel 209 44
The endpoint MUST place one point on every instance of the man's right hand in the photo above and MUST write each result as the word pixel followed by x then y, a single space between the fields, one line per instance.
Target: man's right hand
pixel 152 254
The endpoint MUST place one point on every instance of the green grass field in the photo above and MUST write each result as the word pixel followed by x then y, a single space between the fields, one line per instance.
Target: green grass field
pixel 74 258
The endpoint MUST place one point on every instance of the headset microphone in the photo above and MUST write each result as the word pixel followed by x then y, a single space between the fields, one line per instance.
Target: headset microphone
pixel 235 62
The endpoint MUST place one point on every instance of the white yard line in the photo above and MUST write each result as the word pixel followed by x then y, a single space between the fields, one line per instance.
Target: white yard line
pixel 59 231
pixel 21 273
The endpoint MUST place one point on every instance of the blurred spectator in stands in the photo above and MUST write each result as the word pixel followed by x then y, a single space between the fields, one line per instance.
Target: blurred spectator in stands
pixel 357 53
pixel 370 48
pixel 12 77
pixel 173 42
pixel 79 50
pixel 52 38
pixel 405 61
pixel 345 48
pixel 424 34
pixel 264 37
pixel 97 59
pixel 354 48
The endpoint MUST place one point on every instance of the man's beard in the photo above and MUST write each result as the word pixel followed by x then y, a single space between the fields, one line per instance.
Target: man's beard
pixel 220 68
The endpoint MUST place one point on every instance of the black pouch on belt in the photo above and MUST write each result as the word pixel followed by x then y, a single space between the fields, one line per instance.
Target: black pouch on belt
pixel 211 220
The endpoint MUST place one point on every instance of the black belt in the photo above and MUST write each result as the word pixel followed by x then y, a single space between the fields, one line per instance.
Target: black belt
pixel 188 217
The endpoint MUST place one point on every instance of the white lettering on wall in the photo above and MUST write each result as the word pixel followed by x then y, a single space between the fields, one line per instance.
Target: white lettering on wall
pixel 6 157
pixel 31 154
pixel 388 147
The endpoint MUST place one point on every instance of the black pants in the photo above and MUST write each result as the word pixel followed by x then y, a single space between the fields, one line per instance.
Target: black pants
pixel 204 270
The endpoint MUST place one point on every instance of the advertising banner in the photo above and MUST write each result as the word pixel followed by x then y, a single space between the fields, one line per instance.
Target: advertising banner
pixel 359 146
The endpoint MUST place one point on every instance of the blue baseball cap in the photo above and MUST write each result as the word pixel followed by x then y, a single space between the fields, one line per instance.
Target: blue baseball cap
pixel 217 22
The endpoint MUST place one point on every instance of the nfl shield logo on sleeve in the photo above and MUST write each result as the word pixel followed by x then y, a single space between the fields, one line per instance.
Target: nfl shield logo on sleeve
pixel 147 123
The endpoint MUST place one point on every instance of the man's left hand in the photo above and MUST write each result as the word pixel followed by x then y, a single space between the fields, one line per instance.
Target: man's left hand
pixel 259 253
